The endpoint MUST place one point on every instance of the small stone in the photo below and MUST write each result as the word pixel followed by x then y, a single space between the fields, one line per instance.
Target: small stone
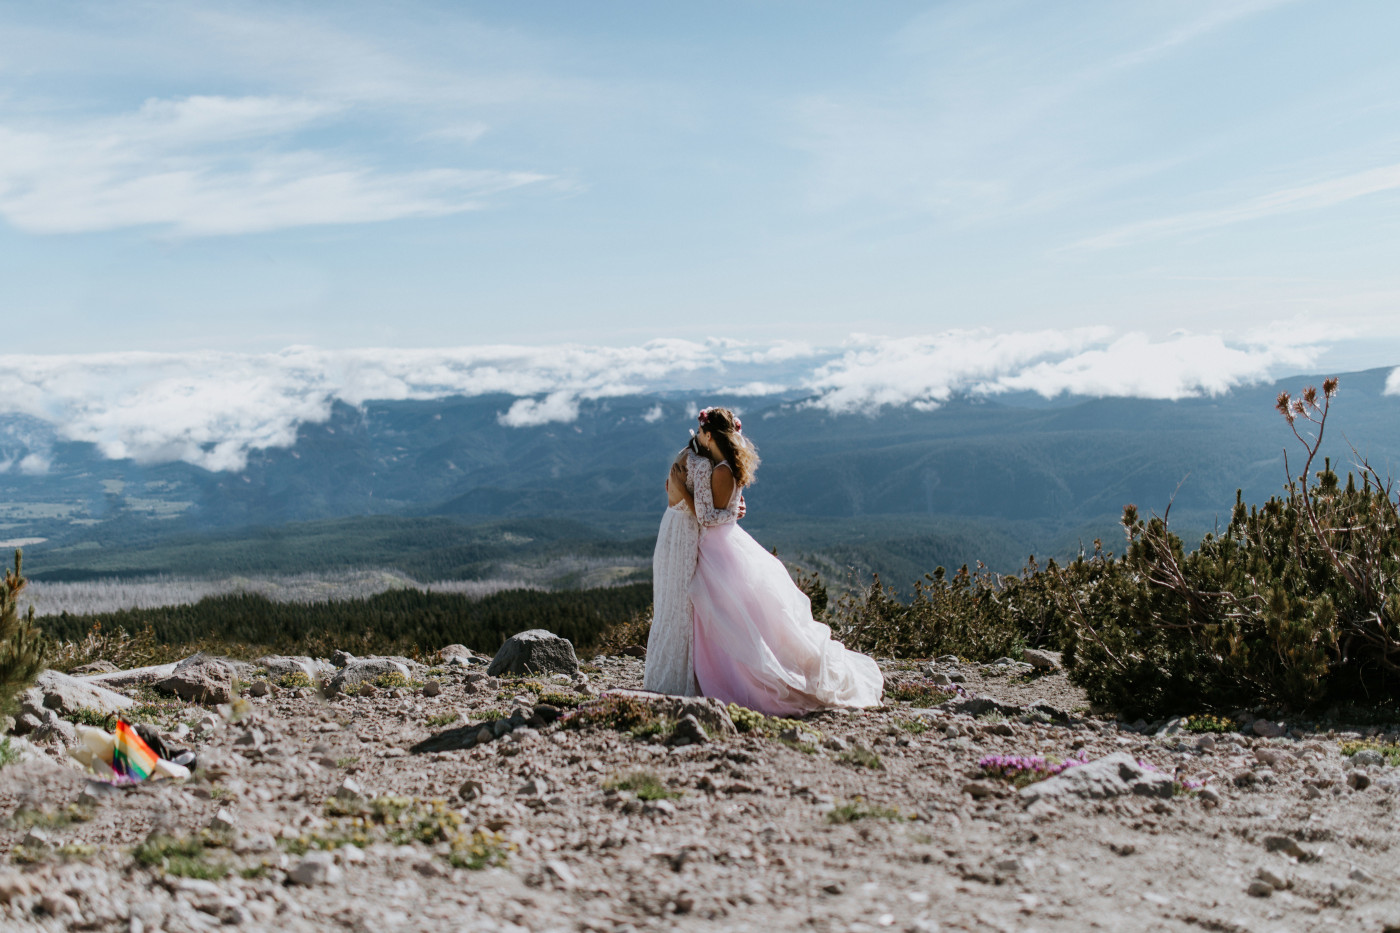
pixel 471 789
pixel 36 839
pixel 1260 889
pixel 940 679
pixel 1206 743
pixel 690 730
pixel 349 789
pixel 835 743
pixel 1311 792
pixel 251 738
pixel 260 688
pixel 368 689
pixel 1361 875
pixel 1358 780
pixel 432 688
pixel 1010 865
pixel 1267 729
pixel 980 789
pixel 560 873
pixel 834 888
pixel 535 787
pixel 223 821
pixel 316 868
pixel 1273 878
pixel 1366 758
pixel 1285 844
pixel 485 734
pixel 1210 796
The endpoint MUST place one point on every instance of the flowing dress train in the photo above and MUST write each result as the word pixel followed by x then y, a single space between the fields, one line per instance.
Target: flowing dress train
pixel 669 664
pixel 755 641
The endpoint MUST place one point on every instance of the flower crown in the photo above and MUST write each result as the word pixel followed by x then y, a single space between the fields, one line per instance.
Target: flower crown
pixel 705 420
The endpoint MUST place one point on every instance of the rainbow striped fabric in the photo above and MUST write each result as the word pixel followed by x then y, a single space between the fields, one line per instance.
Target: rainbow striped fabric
pixel 131 756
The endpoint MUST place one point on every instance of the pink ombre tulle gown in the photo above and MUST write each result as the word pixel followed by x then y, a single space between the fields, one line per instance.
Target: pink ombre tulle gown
pixel 755 641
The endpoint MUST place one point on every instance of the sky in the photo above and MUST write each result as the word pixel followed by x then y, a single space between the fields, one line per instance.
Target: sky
pixel 1140 199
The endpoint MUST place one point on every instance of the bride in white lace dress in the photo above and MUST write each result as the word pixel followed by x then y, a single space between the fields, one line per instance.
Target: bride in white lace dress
pixel 670 667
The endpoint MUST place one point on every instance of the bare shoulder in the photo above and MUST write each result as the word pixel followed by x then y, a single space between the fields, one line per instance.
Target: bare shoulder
pixel 724 469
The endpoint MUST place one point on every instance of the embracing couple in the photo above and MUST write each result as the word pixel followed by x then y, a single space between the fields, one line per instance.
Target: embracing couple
pixel 728 622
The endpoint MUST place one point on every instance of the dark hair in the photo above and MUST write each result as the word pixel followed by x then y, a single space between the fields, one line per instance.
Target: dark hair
pixel 737 450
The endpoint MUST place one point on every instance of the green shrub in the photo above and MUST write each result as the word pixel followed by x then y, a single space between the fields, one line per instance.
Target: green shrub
pixel 858 809
pixel 295 680
pixel 22 648
pixel 1205 722
pixel 1295 605
pixel 977 615
pixel 645 785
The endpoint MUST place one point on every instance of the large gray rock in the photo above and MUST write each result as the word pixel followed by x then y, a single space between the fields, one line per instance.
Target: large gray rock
pixel 534 652
pixel 361 670
pixel 54 729
pixel 206 681
pixel 1115 775
pixel 66 695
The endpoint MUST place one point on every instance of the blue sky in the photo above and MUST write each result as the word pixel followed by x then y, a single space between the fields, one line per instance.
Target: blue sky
pixel 882 203
pixel 242 176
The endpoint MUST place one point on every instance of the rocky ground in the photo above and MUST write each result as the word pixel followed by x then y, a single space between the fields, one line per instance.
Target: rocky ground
pixel 309 812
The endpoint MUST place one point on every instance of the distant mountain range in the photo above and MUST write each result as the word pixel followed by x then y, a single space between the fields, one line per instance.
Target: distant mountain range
pixel 989 478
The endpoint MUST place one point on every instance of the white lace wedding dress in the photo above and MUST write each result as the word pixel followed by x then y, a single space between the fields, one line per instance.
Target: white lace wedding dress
pixel 670 667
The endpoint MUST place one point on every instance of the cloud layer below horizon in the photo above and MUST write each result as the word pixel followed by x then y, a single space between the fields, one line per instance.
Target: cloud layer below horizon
pixel 212 409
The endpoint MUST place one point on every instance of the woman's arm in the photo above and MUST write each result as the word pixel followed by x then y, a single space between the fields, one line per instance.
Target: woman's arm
pixel 675 485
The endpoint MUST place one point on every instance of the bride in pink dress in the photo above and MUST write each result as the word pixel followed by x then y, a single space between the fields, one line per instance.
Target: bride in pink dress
pixel 755 641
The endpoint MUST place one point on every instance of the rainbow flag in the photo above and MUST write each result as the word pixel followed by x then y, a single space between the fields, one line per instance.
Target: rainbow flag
pixel 131 756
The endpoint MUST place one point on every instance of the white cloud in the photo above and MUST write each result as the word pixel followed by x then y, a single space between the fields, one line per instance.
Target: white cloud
pixel 925 372
pixel 529 413
pixel 213 409
pixel 654 414
pixel 208 165
pixel 1392 382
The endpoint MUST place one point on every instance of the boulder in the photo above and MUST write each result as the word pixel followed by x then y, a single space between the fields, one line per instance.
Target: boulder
pixel 1042 660
pixel 66 695
pixel 535 652
pixel 359 671
pixel 1113 775
pixel 207 680
pixel 445 655
pixel 54 729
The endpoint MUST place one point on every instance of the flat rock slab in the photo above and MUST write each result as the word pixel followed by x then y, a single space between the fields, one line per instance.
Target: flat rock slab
pixel 978 706
pixel 711 713
pixel 133 677
pixel 1115 775
pixel 534 652
pixel 66 695
pixel 280 665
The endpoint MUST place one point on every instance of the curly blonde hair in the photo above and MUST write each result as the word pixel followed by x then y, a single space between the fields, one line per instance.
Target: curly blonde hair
pixel 724 426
